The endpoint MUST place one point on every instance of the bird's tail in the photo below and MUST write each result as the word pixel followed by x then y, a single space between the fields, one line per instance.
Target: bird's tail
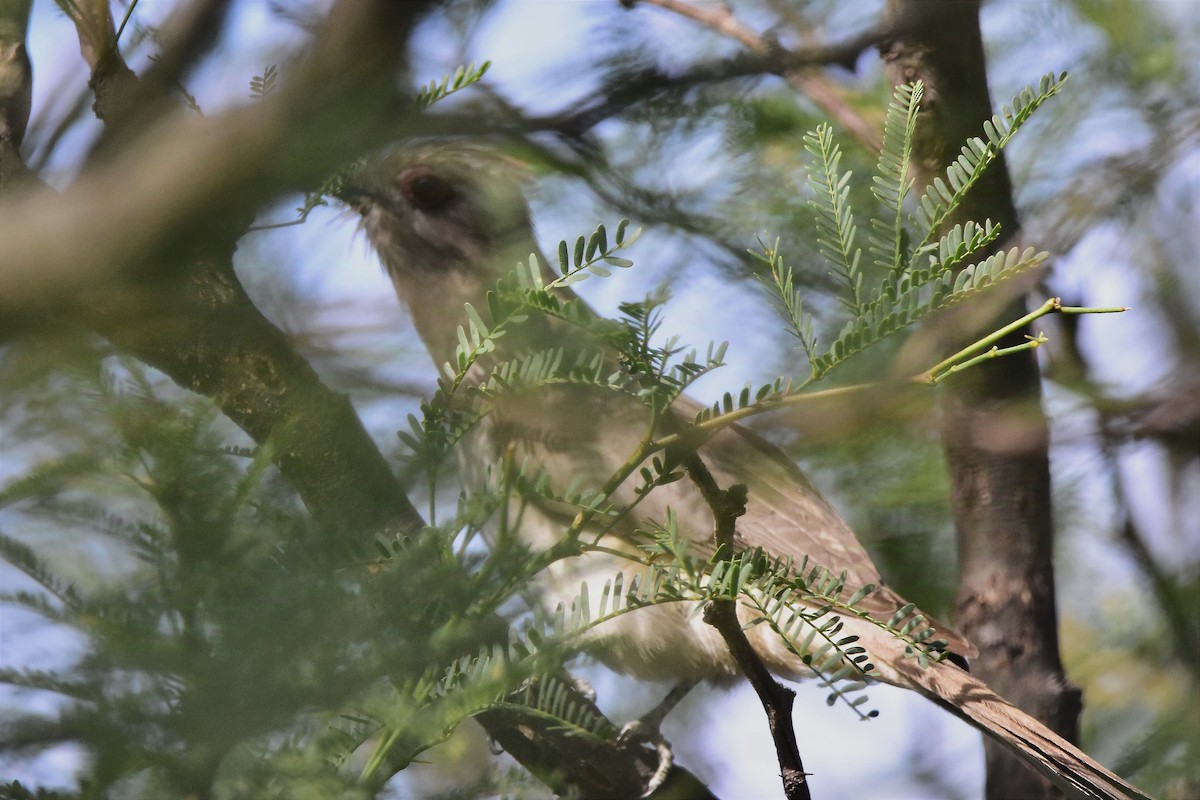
pixel 1064 764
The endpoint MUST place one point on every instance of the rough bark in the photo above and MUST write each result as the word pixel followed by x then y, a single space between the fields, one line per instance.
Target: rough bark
pixel 994 429
pixel 16 88
pixel 199 327
pixel 194 320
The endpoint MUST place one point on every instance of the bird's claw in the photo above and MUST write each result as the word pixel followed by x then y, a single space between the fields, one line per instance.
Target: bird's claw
pixel 637 732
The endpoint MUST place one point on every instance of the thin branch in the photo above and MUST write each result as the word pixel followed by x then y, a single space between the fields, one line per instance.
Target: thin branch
pixel 967 356
pixel 188 36
pixel 983 349
pixel 198 325
pixel 777 700
pixel 180 169
pixel 817 88
pixel 619 191
pixel 1172 599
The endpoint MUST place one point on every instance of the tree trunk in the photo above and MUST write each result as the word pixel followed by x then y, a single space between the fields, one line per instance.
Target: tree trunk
pixel 994 429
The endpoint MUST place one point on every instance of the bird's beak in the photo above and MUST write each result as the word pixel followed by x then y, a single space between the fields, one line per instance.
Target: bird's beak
pixel 360 201
pixel 357 187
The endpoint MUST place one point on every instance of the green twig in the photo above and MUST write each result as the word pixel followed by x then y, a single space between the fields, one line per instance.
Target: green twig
pixel 1032 343
pixel 959 360
pixel 124 22
pixel 975 353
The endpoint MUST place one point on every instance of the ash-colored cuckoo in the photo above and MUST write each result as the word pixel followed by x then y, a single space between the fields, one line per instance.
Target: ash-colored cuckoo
pixel 449 221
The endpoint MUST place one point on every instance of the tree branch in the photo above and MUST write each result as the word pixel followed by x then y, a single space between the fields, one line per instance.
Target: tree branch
pixel 198 326
pixel 16 88
pixel 338 102
pixel 817 88
pixel 777 700
pixel 633 88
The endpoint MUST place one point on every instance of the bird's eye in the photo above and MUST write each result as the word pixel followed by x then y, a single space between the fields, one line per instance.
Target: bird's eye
pixel 425 189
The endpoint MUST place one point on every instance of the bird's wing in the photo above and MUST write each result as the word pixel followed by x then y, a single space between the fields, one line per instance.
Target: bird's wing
pixel 585 434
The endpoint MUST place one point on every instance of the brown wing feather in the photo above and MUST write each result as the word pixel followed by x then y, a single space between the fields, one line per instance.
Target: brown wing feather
pixel 585 433
pixel 970 699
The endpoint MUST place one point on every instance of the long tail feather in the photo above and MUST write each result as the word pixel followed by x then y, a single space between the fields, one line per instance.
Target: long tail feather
pixel 1064 764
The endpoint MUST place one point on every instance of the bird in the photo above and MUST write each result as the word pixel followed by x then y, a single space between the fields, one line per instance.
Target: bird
pixel 448 220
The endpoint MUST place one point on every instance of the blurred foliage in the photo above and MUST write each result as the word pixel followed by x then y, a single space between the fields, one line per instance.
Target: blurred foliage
pixel 233 650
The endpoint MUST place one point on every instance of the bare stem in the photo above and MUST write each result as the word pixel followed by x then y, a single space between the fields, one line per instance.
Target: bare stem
pixel 777 700
pixel 959 360
pixel 984 349
pixel 817 88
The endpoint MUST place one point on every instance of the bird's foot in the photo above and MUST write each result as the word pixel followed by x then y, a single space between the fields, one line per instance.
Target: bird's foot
pixel 646 730
pixel 583 687
pixel 638 732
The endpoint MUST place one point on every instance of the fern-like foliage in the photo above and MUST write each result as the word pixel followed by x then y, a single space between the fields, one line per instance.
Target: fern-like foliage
pixel 230 584
pixel 917 279
pixel 940 200
pixel 263 85
pixel 462 77
pixel 802 605
pixel 788 300
pixel 64 599
pixel 836 232
pixel 229 600
pixel 468 384
pixel 892 180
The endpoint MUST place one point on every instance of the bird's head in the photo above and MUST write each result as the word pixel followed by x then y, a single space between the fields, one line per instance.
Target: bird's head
pixel 448 221
pixel 434 209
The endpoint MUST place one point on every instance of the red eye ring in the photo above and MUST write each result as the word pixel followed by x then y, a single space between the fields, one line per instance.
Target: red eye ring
pixel 425 189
